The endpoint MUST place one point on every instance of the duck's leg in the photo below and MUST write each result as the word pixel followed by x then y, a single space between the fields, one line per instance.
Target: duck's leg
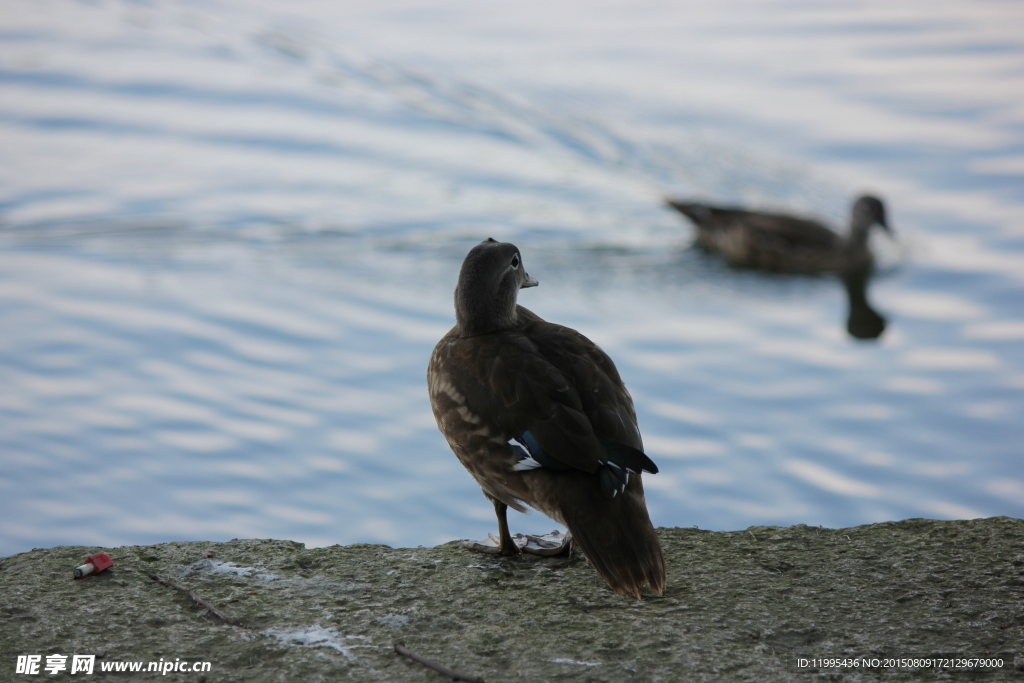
pixel 506 546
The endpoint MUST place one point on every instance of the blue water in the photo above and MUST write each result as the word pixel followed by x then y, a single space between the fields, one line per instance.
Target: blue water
pixel 230 231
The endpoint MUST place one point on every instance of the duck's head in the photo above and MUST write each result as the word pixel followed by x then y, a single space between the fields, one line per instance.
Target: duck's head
pixel 492 275
pixel 868 211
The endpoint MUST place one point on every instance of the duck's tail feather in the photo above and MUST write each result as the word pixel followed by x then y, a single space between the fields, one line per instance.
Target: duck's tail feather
pixel 619 540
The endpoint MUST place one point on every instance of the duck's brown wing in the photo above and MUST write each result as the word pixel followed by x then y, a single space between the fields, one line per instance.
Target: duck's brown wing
pixel 545 380
pixel 594 381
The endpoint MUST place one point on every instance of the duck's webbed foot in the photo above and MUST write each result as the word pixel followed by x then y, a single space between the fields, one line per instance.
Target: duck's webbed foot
pixel 555 543
pixel 493 546
pixel 505 544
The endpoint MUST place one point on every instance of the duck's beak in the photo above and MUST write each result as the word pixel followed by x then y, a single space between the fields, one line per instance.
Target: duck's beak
pixel 885 226
pixel 529 281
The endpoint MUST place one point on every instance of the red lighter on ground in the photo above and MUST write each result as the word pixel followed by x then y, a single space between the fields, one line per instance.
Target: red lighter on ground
pixel 94 564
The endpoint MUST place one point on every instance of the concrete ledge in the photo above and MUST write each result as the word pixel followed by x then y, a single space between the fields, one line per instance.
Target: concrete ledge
pixel 739 605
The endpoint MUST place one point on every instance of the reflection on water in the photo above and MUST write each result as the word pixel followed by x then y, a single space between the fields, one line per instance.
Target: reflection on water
pixel 862 322
pixel 229 239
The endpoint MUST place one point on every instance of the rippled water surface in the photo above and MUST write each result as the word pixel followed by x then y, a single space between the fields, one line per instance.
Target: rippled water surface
pixel 230 231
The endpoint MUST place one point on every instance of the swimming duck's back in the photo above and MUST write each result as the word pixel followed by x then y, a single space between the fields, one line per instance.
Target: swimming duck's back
pixel 770 241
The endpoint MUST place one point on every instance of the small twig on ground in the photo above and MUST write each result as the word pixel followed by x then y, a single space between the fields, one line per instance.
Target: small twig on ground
pixel 401 649
pixel 213 610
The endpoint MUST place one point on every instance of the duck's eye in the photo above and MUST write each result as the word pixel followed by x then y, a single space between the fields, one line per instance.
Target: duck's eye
pixel 515 261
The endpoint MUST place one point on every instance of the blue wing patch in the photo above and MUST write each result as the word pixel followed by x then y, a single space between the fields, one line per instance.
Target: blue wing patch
pixel 532 456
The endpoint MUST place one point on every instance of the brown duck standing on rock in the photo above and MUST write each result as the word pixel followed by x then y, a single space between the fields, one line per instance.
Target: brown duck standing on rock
pixel 776 242
pixel 538 415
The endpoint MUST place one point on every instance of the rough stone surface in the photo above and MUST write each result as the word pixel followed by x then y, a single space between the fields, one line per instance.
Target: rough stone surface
pixel 738 606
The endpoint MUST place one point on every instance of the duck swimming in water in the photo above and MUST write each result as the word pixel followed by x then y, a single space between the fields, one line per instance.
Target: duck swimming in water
pixel 539 416
pixel 787 244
